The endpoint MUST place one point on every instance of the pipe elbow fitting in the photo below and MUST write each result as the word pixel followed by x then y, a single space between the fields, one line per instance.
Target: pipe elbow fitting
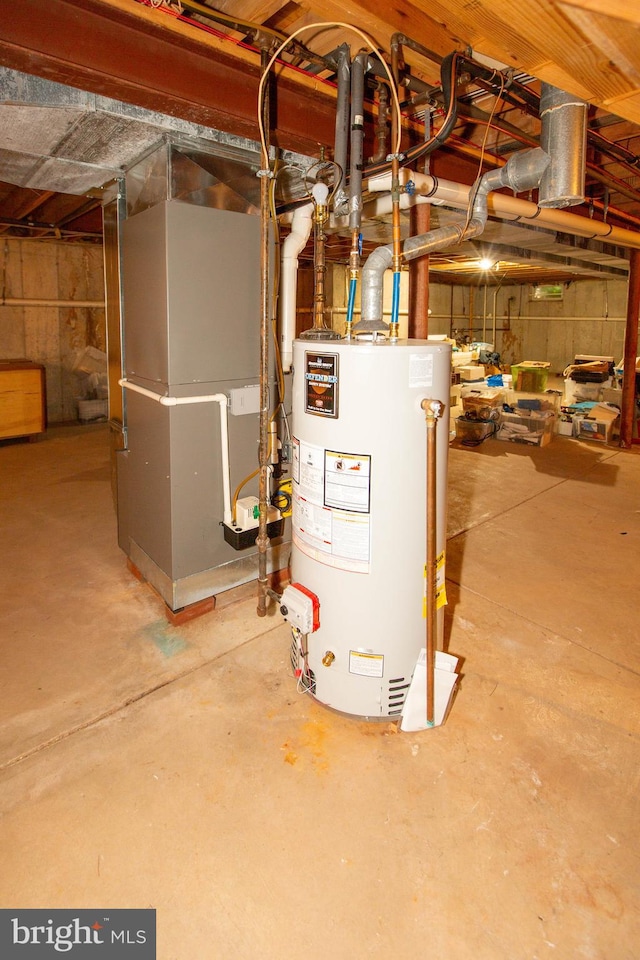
pixel 372 280
pixel 523 170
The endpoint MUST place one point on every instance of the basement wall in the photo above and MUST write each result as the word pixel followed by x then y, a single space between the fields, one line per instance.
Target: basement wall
pixel 52 330
pixel 589 319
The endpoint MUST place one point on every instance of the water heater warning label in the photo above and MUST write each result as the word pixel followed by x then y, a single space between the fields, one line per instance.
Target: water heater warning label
pixel 331 502
pixel 347 479
pixel 421 370
pixel 366 664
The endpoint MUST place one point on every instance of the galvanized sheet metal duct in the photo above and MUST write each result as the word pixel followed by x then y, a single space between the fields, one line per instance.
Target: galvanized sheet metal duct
pixel 564 138
pixel 521 172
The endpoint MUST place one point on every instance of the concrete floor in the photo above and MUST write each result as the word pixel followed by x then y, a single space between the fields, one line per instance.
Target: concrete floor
pixel 145 765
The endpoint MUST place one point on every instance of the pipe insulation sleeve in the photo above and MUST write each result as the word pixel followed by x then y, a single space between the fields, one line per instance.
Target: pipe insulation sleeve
pixel 219 398
pixel 294 243
pixel 522 171
pixel 358 70
pixel 372 280
pixel 341 149
pixel 501 206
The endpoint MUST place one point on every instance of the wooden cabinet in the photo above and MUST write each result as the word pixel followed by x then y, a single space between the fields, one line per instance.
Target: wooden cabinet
pixel 23 398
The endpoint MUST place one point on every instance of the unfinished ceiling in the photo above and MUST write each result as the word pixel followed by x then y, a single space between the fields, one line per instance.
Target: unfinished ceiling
pixel 200 61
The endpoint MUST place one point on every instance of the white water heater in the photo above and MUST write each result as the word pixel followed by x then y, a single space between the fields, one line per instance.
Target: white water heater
pixel 359 517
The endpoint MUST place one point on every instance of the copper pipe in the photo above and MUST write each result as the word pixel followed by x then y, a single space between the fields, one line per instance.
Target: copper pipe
pixel 262 541
pixel 432 409
pixel 630 351
pixel 420 219
pixel 381 123
pixel 319 267
pixel 419 276
pixel 396 236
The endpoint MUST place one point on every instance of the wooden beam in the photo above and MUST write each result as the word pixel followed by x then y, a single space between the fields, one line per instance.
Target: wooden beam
pixel 617 9
pixel 123 50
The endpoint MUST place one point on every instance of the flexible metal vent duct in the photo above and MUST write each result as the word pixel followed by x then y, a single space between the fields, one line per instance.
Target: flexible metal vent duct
pixel 564 138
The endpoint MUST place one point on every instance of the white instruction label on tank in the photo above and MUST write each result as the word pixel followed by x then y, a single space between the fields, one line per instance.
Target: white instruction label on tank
pixel 332 537
pixel 312 524
pixel 308 471
pixel 331 496
pixel 350 532
pixel 347 481
pixel 421 369
pixel 366 664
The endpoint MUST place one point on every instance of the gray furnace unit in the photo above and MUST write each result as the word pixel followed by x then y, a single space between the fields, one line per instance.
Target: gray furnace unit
pixel 191 308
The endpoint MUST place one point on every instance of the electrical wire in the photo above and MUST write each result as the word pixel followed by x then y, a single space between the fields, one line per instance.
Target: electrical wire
pixel 316 26
pixel 474 189
pixel 282 499
pixel 448 75
pixel 234 499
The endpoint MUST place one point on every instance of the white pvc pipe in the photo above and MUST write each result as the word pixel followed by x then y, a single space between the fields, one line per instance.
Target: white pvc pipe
pixel 24 302
pixel 219 398
pixel 506 207
pixel 294 243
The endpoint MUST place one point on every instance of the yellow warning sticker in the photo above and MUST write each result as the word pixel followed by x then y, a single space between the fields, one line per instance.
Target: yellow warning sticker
pixel 441 587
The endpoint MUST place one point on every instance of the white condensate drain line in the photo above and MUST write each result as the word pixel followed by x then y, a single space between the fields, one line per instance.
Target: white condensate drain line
pixel 219 398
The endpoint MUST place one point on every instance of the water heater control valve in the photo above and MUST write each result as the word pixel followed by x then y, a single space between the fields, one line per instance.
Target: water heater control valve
pixel 300 607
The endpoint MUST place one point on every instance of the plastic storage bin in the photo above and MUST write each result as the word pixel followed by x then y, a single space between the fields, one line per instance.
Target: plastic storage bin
pixel 89 410
pixel 532 430
pixel 472 431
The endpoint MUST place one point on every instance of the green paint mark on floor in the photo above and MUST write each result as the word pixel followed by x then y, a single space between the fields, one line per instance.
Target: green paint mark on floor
pixel 165 638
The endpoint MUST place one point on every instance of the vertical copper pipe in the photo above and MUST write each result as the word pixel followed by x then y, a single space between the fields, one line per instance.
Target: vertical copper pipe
pixel 432 409
pixel 381 123
pixel 319 269
pixel 630 351
pixel 419 268
pixel 396 243
pixel 419 276
pixel 262 541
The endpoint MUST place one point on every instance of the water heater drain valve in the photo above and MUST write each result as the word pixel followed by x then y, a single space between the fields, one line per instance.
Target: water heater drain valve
pixel 300 607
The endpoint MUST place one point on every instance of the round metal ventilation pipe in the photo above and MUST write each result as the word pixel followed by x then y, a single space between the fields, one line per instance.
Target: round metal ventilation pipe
pixel 564 138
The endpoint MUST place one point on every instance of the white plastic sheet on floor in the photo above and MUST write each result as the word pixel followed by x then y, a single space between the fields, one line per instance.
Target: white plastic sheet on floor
pixel 414 713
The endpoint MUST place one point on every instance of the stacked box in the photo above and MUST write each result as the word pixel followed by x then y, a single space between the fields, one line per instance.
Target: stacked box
pixel 599 424
pixel 483 405
pixel 532 379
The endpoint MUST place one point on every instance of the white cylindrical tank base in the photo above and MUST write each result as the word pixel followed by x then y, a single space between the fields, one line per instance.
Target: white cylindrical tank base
pixel 359 514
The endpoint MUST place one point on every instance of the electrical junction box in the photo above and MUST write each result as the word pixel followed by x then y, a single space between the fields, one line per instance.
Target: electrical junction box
pixel 243 400
pixel 244 531
pixel 300 607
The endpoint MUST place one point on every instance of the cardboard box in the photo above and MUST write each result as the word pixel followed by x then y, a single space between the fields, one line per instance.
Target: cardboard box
pixel 483 403
pixel 471 372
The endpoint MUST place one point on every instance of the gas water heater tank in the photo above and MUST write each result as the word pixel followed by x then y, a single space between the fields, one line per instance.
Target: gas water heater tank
pixel 359 514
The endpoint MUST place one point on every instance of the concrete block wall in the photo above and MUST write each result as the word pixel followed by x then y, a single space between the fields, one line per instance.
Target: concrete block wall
pixel 589 319
pixel 51 309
